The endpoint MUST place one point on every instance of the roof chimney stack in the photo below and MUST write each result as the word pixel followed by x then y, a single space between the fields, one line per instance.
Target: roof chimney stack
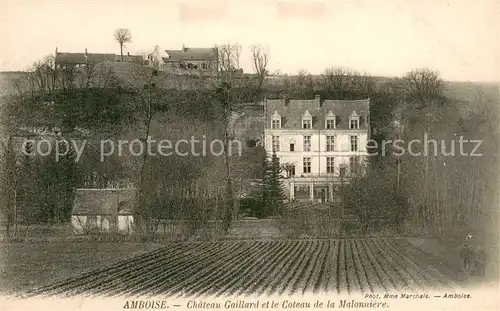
pixel 284 100
pixel 85 51
pixel 317 102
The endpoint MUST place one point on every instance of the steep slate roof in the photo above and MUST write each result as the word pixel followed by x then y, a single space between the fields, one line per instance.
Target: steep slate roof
pixel 103 201
pixel 192 54
pixel 292 112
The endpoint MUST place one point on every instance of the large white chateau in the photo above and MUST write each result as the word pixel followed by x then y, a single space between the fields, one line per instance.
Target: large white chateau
pixel 320 143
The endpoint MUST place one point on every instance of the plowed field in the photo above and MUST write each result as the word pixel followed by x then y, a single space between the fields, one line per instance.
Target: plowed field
pixel 266 267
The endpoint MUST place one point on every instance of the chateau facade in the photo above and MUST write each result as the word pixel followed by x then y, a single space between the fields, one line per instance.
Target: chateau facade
pixel 320 143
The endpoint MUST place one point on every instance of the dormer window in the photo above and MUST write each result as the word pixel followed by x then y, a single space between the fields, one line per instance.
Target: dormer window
pixel 330 121
pixel 276 121
pixel 306 121
pixel 354 121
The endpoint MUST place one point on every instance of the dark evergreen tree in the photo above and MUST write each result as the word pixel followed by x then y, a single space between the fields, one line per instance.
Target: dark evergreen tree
pixel 68 172
pixel 273 196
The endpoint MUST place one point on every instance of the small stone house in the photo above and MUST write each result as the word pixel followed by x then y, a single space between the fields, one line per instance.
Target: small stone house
pixel 202 61
pixel 103 210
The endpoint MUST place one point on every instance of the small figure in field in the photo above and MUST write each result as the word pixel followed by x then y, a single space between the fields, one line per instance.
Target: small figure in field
pixel 473 256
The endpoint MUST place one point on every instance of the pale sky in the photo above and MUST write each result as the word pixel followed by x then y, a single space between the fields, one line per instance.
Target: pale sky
pixel 460 39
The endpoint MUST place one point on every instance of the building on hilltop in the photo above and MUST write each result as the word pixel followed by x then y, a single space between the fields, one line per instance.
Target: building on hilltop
pixel 63 59
pixel 320 143
pixel 187 61
pixel 201 61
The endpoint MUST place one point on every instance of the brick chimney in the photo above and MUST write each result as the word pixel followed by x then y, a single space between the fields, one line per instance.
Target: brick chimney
pixel 317 101
pixel 284 100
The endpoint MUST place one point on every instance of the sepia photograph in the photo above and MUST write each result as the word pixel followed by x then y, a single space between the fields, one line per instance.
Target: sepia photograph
pixel 261 154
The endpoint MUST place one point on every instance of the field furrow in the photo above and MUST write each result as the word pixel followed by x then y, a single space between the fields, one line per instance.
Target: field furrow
pixel 265 267
pixel 423 279
pixel 164 270
pixel 296 269
pixel 379 275
pixel 236 276
pixel 317 270
pixel 342 282
pixel 142 272
pixel 371 275
pixel 306 271
pixel 386 269
pixel 278 278
pixel 275 269
pixel 188 272
pixel 409 284
pixel 215 276
pixel 89 277
pixel 439 268
pixel 331 263
pixel 360 269
pixel 352 271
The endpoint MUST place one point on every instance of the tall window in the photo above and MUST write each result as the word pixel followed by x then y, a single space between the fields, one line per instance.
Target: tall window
pixel 330 143
pixel 330 165
pixel 307 143
pixel 307 165
pixel 290 170
pixel 354 124
pixel 354 164
pixel 330 121
pixel 276 143
pixel 307 120
pixel 354 121
pixel 292 147
pixel 354 143
pixel 276 120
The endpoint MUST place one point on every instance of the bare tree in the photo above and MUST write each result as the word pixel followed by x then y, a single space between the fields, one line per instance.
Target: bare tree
pixel 344 83
pixel 303 85
pixel 149 96
pixel 420 88
pixel 123 36
pixel 229 59
pixel 44 74
pixel 260 59
pixel 228 88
